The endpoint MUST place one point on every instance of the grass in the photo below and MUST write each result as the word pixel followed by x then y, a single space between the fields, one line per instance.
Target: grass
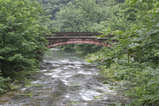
pixel 74 85
pixel 28 94
pixel 74 103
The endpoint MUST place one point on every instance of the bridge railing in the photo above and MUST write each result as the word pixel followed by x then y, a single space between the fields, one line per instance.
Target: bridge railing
pixel 79 34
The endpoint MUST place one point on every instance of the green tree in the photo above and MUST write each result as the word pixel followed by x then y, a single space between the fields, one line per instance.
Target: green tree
pixel 53 6
pixel 80 15
pixel 22 37
pixel 133 58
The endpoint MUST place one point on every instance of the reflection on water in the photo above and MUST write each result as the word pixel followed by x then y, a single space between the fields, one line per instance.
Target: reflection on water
pixel 66 79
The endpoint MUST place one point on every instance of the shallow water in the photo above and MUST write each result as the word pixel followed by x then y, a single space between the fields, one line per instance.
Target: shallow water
pixel 65 79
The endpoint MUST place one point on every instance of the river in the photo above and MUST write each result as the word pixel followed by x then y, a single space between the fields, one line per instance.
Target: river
pixel 65 79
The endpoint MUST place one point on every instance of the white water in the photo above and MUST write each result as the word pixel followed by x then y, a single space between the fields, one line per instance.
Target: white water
pixel 66 79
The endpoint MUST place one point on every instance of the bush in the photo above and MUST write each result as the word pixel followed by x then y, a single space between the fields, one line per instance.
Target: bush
pixel 2 83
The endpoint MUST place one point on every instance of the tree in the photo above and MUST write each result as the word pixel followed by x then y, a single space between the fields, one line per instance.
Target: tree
pixel 134 58
pixel 22 37
pixel 80 15
pixel 53 6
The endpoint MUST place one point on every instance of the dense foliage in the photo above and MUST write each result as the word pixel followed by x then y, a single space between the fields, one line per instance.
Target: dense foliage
pixel 23 25
pixel 134 57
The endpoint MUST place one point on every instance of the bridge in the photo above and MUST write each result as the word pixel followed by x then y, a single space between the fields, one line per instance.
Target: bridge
pixel 64 38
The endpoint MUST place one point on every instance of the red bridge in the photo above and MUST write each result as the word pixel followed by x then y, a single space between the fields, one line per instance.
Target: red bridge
pixel 63 38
